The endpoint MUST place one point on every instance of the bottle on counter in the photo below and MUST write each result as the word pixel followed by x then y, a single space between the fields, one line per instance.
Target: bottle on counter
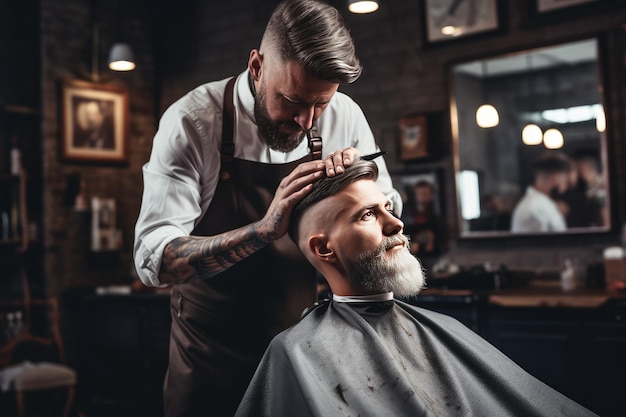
pixel 16 157
pixel 615 268
pixel 568 276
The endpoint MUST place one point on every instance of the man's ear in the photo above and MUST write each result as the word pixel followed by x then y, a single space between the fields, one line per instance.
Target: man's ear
pixel 255 64
pixel 319 247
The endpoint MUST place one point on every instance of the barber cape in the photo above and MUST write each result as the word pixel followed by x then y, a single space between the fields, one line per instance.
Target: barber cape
pixel 389 358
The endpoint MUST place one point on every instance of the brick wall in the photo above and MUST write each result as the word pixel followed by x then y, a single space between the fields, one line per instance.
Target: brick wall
pixel 403 75
pixel 67 54
pixel 178 48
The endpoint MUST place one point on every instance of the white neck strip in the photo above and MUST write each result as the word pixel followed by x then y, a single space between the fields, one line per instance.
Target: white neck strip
pixel 387 296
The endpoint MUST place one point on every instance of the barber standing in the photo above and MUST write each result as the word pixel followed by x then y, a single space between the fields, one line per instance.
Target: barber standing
pixel 229 161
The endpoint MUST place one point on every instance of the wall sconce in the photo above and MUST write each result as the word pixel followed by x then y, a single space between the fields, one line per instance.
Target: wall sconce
pixel 121 57
pixel 362 6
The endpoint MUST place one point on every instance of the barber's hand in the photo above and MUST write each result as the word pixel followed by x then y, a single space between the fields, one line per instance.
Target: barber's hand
pixel 293 188
pixel 338 160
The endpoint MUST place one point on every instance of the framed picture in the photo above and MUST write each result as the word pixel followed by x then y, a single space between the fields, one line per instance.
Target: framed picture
pixel 446 20
pixel 550 5
pixel 94 122
pixel 541 12
pixel 104 235
pixel 421 193
pixel 413 137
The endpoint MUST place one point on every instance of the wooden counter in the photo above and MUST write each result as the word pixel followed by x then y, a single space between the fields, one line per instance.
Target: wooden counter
pixel 546 294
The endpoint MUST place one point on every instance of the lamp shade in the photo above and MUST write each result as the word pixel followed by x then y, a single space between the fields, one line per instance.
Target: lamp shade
pixel 121 58
pixel 362 6
pixel 553 139
pixel 532 135
pixel 487 116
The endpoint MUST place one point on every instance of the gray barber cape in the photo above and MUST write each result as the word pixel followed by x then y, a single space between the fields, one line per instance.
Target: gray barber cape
pixel 392 359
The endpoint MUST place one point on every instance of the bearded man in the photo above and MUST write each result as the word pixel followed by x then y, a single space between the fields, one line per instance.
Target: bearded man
pixel 365 353
pixel 228 163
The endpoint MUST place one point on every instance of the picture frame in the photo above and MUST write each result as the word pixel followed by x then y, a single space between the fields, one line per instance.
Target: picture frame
pixel 94 122
pixel 413 131
pixel 104 234
pixel 421 136
pixel 541 12
pixel 448 20
pixel 422 213
pixel 543 6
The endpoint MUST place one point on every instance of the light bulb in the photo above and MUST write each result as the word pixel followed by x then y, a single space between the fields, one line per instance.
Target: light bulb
pixel 600 120
pixel 553 139
pixel 121 58
pixel 362 6
pixel 448 30
pixel 487 116
pixel 532 134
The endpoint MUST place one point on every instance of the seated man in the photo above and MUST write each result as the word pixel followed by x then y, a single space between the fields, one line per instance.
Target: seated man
pixel 366 353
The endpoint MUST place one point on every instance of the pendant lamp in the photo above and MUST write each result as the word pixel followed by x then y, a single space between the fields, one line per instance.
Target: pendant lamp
pixel 553 139
pixel 362 6
pixel 121 57
pixel 486 115
pixel 531 133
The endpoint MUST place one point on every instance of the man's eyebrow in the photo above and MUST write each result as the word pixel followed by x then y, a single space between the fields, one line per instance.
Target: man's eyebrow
pixel 356 215
pixel 298 99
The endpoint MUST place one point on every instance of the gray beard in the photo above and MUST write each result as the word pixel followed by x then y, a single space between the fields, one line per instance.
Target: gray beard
pixel 270 130
pixel 375 272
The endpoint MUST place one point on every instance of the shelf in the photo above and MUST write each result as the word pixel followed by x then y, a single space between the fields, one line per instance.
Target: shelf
pixel 17 109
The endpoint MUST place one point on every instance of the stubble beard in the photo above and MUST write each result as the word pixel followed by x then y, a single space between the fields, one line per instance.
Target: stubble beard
pixel 270 130
pixel 377 272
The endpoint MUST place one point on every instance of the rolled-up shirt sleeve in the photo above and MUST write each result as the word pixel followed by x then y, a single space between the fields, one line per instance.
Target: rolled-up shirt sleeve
pixel 179 183
pixel 169 209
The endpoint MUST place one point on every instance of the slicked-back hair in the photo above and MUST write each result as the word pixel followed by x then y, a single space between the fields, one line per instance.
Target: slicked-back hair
pixel 314 35
pixel 552 163
pixel 328 186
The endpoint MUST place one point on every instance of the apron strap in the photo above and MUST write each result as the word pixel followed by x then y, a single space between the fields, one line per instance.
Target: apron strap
pixel 227 148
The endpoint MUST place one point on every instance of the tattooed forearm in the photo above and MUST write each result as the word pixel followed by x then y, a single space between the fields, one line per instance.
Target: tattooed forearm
pixel 192 257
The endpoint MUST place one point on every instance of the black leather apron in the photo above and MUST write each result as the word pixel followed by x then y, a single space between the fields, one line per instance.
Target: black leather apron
pixel 222 325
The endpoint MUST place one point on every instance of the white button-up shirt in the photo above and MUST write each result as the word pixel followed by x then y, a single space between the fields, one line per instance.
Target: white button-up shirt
pixel 183 171
pixel 537 212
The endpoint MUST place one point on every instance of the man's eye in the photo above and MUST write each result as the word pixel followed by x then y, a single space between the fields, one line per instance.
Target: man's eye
pixel 368 215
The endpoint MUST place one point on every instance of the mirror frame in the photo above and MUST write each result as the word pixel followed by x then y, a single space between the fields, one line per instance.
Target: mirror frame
pixel 605 140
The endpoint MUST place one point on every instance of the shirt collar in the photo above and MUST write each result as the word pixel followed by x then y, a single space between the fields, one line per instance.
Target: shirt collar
pixel 386 296
pixel 244 96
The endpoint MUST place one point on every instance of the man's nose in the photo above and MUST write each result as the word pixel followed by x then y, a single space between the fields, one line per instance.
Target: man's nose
pixel 393 225
pixel 305 116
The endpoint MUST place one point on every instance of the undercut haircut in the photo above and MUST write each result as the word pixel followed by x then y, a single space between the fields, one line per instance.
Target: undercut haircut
pixel 328 186
pixel 314 35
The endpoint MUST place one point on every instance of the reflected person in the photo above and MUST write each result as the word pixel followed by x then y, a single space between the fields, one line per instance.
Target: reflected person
pixel 538 210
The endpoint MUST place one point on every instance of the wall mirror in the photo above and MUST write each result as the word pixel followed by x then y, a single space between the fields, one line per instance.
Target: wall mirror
pixel 529 134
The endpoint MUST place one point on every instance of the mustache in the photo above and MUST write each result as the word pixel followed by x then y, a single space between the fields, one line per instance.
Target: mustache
pixel 392 241
pixel 291 126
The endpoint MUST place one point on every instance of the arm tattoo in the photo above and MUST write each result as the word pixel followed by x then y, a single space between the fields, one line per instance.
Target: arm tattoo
pixel 192 257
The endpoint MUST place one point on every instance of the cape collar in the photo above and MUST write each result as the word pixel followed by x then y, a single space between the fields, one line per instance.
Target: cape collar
pixel 386 296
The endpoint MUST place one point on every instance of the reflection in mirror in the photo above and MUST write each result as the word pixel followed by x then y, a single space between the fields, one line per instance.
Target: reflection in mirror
pixel 538 163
